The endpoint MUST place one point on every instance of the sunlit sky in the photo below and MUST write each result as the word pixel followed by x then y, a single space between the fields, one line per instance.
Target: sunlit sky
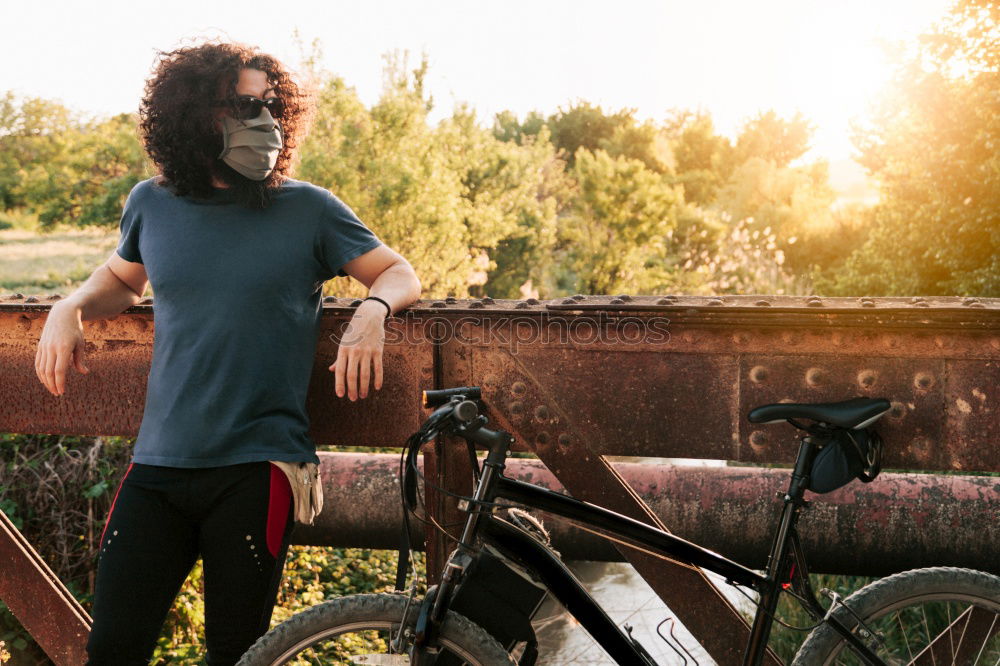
pixel 732 58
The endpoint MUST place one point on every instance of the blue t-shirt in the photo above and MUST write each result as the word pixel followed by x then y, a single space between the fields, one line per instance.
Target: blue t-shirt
pixel 237 303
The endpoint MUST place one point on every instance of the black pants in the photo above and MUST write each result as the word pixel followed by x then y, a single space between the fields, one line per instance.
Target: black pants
pixel 237 518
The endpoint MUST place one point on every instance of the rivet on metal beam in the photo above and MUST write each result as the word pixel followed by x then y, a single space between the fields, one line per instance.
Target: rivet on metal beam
pixel 763 303
pixel 866 378
pixel 15 297
pixel 624 297
pixel 450 299
pixel 488 300
pixel 977 304
pixel 969 301
pixel 54 297
pixel 541 412
pixel 531 301
pixel 31 299
pixel 814 303
pixel 758 374
pixel 570 301
pixel 758 440
pixel 330 299
pixel 917 299
pixel 542 438
pixel 923 380
pixel 516 408
pixel 518 388
pixel 665 301
pixel 578 297
pixel 921 304
pixel 146 301
pixel 867 304
pixel 789 338
pixel 897 410
pixel 521 305
pixel 438 304
pixel 564 439
pixel 476 304
pixel 815 376
pixel 356 302
pixel 714 301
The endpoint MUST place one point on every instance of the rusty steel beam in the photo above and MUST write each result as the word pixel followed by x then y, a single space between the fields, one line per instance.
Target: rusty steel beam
pixel 937 359
pixel 39 600
pixel 900 521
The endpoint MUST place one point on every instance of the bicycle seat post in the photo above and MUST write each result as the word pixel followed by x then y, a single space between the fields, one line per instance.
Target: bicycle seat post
pixel 803 465
pixel 777 560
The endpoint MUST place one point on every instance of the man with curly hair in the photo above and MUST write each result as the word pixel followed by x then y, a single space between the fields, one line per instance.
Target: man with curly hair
pixel 237 253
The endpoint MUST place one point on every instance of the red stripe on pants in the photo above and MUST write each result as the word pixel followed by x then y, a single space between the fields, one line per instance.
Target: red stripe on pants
pixel 111 510
pixel 277 509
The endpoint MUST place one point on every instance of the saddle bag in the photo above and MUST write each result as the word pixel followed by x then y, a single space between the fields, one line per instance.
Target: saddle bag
pixel 846 455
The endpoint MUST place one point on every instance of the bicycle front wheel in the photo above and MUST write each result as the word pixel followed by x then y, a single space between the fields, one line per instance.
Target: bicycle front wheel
pixel 360 628
pixel 939 615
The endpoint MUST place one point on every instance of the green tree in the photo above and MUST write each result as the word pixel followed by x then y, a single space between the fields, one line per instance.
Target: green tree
pixel 453 199
pixel 617 234
pixel 769 137
pixel 703 159
pixel 792 201
pixel 932 145
pixel 584 125
pixel 64 168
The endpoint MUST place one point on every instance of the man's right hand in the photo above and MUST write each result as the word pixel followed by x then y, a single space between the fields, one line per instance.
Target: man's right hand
pixel 61 344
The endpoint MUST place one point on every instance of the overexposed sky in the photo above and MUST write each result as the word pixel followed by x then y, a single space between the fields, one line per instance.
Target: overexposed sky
pixel 732 58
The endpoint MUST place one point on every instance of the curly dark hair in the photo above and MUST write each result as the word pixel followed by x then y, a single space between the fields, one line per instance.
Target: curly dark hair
pixel 176 118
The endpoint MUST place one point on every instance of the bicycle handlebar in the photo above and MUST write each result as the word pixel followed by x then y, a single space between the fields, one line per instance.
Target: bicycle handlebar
pixel 438 397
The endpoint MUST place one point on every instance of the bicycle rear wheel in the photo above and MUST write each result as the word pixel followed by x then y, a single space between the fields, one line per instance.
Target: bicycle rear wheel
pixel 939 615
pixel 358 629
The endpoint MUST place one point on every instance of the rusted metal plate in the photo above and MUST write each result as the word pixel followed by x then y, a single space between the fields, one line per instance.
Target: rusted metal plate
pixel 40 601
pixel 641 403
pixel 971 430
pixel 108 400
pixel 900 521
pixel 912 430
pixel 387 416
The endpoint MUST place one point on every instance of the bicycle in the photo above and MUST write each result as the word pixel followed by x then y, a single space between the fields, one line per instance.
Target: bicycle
pixel 932 615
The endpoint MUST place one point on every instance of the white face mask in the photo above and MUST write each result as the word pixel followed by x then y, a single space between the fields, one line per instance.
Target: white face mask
pixel 251 147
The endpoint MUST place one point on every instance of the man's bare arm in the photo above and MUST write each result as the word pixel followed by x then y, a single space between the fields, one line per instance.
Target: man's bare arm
pixel 359 358
pixel 112 288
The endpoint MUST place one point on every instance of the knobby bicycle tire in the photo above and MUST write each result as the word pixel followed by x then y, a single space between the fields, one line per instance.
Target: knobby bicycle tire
pixel 941 615
pixel 329 632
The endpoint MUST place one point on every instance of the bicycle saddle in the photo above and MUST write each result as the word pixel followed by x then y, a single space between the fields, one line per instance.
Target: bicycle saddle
pixel 854 413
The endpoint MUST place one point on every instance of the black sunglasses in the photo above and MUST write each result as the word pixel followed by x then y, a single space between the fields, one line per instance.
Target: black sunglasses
pixel 246 107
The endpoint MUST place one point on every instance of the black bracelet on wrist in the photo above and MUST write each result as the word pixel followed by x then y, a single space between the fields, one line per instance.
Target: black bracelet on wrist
pixel 388 310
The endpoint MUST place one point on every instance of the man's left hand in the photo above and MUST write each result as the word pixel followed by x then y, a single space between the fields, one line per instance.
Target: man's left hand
pixel 360 351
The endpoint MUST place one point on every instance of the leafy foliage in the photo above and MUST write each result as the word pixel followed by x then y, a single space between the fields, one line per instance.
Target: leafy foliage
pixel 933 146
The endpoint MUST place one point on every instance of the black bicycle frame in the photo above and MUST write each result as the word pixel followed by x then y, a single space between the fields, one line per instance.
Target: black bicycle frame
pixel 786 564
